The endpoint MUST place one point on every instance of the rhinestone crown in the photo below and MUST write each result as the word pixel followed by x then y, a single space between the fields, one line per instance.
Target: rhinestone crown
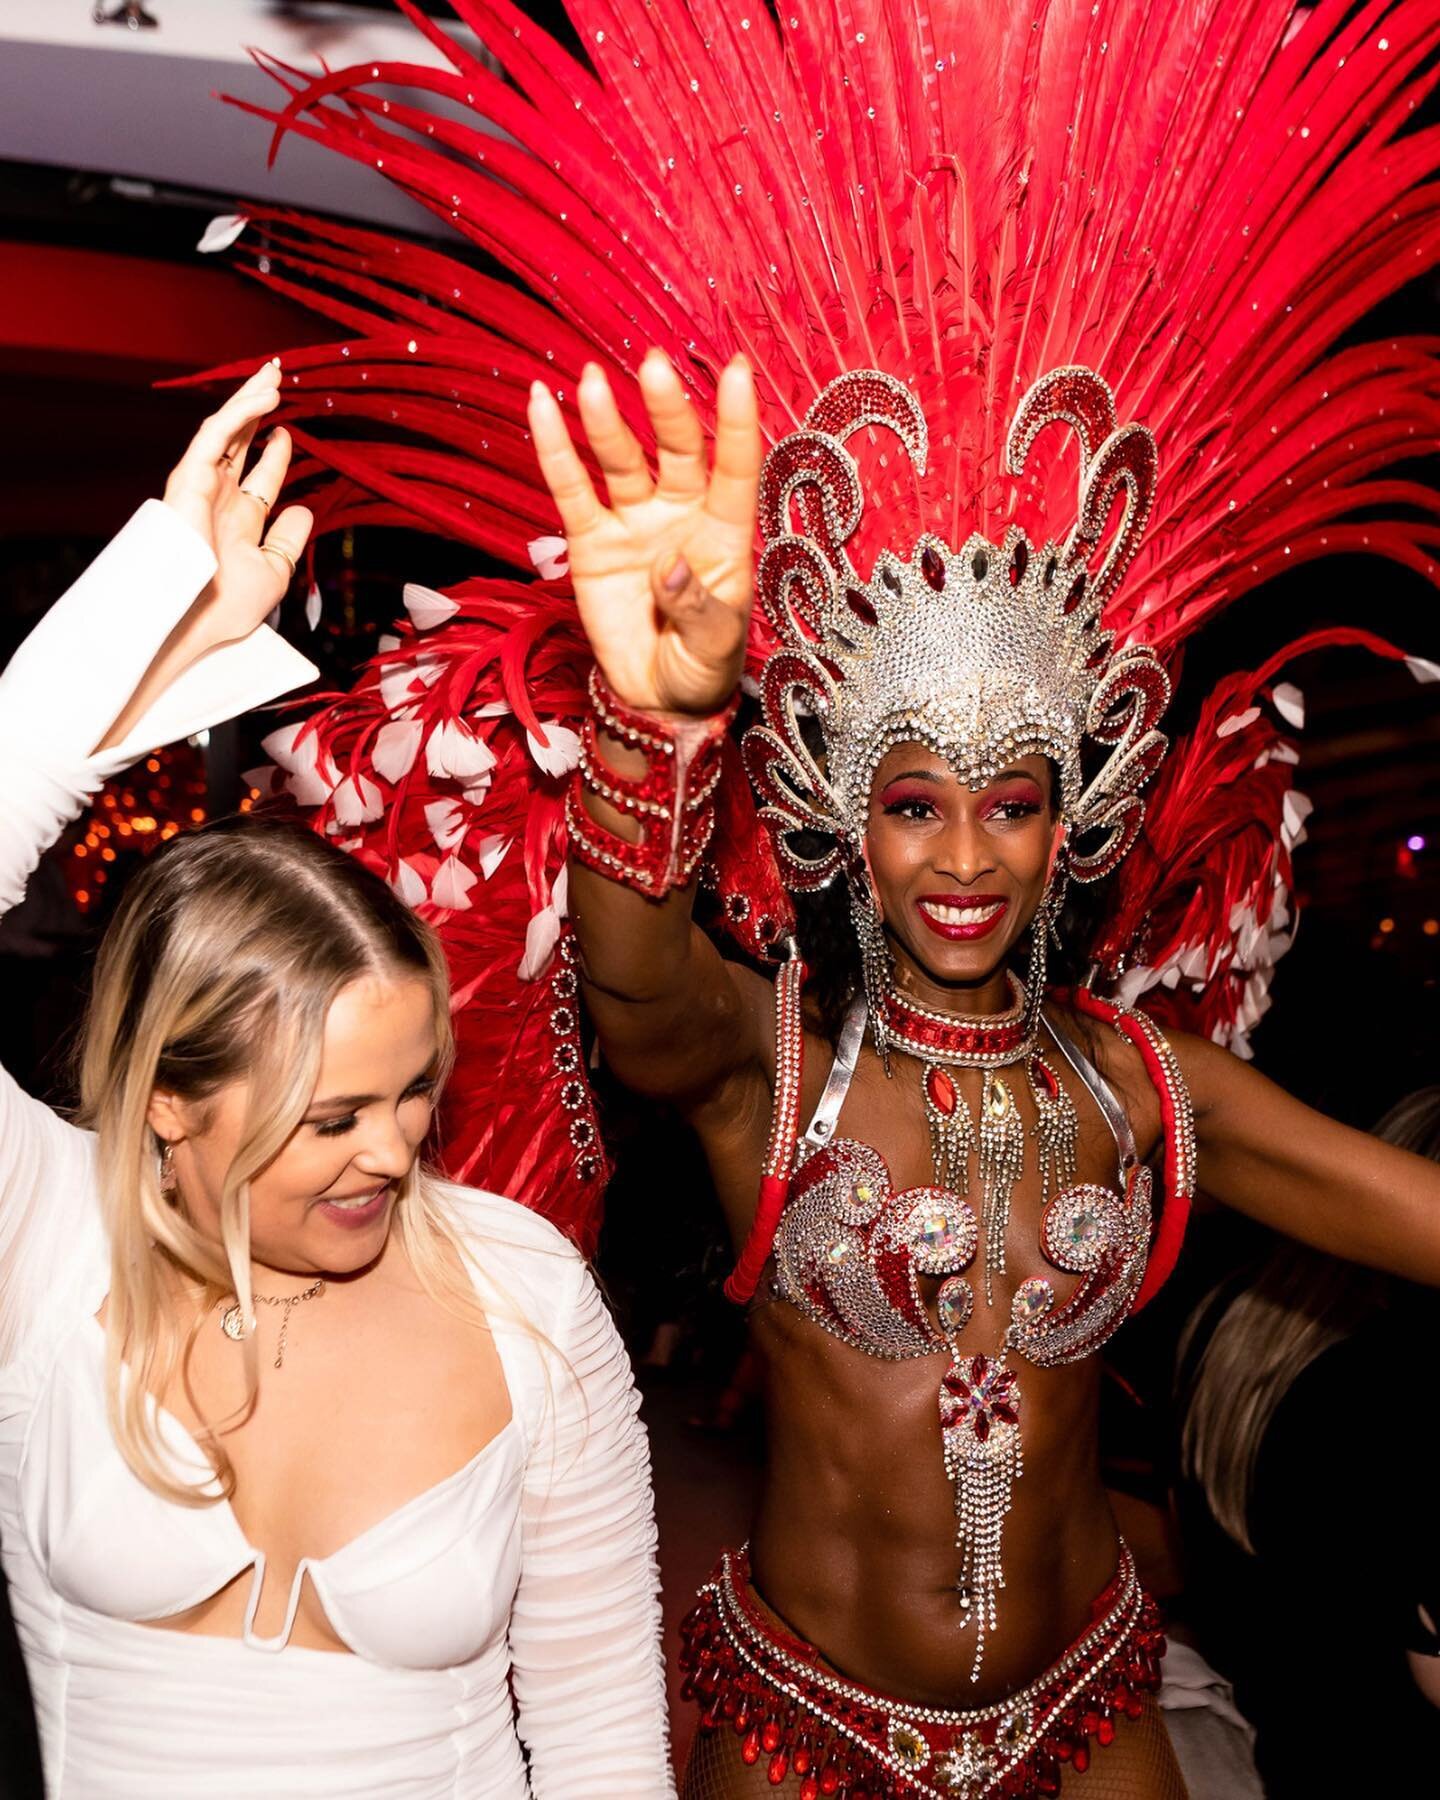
pixel 984 654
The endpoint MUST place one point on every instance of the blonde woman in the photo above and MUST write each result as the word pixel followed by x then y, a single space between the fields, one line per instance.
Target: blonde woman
pixel 318 1476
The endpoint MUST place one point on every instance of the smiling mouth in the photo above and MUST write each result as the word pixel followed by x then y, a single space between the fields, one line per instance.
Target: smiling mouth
pixel 358 1202
pixel 963 919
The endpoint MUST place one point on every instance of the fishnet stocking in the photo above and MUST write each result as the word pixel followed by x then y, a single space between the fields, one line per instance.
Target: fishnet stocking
pixel 1139 1765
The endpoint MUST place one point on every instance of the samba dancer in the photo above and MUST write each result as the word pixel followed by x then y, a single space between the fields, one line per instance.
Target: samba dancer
pixel 967 1202
pixel 962 247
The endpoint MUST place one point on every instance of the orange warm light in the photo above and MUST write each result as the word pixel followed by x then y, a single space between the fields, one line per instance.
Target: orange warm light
pixel 148 805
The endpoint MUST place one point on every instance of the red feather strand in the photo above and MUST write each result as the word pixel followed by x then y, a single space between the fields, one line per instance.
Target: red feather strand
pixel 964 194
pixel 1202 908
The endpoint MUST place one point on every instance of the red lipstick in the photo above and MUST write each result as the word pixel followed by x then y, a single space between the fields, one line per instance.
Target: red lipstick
pixel 962 917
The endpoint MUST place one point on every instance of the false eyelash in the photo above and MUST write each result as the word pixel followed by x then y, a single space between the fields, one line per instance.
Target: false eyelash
pixel 1014 809
pixel 339 1127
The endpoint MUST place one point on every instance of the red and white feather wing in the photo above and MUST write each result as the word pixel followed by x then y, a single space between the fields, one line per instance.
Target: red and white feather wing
pixel 1203 907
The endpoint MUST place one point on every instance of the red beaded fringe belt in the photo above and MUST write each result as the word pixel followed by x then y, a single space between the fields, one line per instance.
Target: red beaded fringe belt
pixel 848 1742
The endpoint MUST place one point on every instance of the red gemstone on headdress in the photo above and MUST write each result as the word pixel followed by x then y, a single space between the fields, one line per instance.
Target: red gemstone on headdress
pixel 1097 656
pixel 1076 594
pixel 941 1091
pixel 932 567
pixel 861 606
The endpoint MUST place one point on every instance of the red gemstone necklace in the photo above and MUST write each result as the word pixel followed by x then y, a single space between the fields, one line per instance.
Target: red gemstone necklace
pixel 989 1042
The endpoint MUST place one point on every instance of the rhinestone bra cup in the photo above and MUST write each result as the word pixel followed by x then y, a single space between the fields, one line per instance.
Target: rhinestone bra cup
pixel 850 1251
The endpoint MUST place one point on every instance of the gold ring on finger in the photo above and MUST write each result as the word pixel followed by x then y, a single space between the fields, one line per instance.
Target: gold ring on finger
pixel 259 499
pixel 284 555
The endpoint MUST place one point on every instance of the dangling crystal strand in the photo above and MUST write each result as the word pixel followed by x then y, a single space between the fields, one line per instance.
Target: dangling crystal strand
pixel 952 1130
pixel 980 1419
pixel 876 973
pixel 1002 1161
pixel 1057 1129
pixel 984 1486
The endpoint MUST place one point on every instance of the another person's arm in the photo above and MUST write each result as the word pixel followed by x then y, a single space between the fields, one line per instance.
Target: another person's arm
pixel 585 1630
pixel 159 638
pixel 1424 1654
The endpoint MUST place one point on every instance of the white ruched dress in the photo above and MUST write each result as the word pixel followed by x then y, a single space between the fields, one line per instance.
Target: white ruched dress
pixel 513 1604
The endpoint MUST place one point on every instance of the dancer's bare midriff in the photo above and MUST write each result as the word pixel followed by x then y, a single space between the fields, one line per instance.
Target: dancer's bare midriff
pixel 853 1545
pixel 854 1542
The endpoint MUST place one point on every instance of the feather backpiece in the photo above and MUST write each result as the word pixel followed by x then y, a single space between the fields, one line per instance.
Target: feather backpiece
pixel 1200 200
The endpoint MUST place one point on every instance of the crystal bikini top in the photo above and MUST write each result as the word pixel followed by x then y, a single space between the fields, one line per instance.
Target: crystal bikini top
pixel 850 1249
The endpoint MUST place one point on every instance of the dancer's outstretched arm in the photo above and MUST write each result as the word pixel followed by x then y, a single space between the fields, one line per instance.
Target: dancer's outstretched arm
pixel 1279 1161
pixel 663 580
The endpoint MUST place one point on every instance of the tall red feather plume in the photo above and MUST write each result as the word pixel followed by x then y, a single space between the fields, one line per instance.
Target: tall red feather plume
pixel 964 194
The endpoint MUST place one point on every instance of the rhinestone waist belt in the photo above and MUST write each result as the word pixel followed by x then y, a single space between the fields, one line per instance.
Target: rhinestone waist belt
pixel 835 1737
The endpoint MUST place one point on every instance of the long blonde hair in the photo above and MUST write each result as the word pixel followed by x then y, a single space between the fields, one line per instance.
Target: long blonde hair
pixel 1301 1303
pixel 221 965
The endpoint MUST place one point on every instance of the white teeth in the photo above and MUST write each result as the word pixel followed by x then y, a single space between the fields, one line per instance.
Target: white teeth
pixel 962 915
pixel 359 1200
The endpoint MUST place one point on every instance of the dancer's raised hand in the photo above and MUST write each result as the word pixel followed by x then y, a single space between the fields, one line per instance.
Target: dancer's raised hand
pixel 663 575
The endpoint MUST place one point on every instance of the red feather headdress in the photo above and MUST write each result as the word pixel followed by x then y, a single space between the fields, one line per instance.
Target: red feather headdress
pixel 964 195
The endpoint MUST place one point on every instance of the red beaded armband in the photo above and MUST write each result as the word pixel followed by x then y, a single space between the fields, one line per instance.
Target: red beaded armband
pixel 673 801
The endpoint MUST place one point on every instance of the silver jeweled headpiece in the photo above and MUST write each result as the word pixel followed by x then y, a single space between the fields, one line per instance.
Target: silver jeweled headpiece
pixel 984 654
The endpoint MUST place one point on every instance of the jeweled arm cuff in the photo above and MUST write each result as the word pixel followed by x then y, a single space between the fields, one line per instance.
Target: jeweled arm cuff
pixel 673 802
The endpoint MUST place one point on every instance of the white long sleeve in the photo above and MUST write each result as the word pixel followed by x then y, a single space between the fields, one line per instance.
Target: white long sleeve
pixel 585 1629
pixel 59 694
